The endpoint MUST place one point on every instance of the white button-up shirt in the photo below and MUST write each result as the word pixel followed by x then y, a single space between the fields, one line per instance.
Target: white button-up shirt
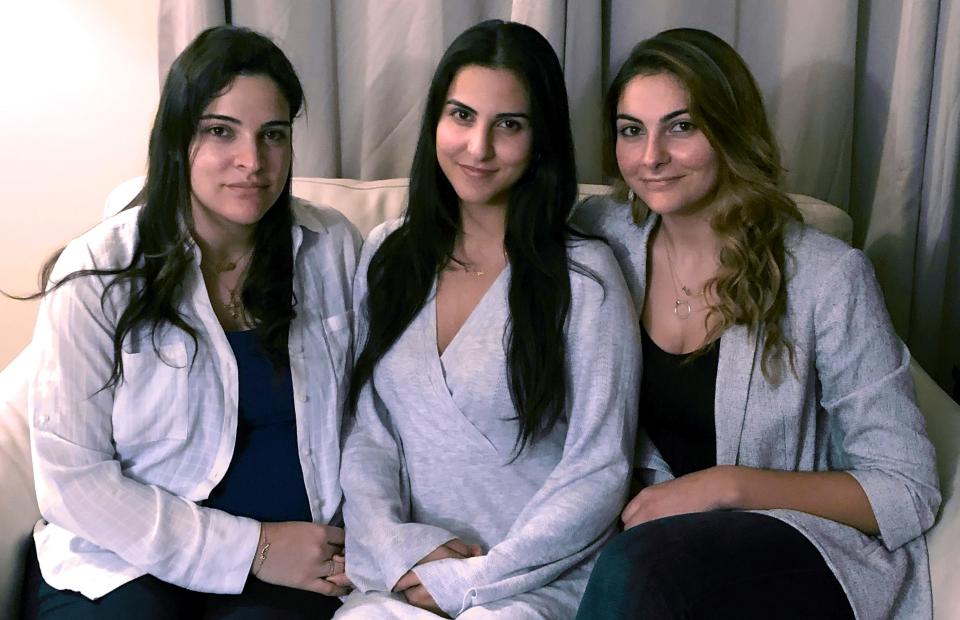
pixel 121 474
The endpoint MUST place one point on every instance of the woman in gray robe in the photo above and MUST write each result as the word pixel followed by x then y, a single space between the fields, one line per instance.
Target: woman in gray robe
pixel 494 395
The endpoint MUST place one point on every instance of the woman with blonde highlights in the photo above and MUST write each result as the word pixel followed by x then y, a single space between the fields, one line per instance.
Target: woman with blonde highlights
pixel 783 468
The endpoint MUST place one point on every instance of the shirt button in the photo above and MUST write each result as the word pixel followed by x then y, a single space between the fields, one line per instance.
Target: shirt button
pixel 303 398
pixel 306 452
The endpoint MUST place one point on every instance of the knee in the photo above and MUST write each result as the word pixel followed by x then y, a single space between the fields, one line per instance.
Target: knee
pixel 631 558
pixel 627 580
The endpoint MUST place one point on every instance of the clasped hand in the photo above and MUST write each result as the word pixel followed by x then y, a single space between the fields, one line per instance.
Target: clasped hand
pixel 416 594
pixel 303 555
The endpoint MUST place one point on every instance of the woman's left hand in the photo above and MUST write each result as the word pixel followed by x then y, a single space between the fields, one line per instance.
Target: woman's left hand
pixel 707 489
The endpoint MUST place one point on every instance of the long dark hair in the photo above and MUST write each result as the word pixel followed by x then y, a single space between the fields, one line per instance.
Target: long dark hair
pixel 403 269
pixel 162 255
pixel 753 211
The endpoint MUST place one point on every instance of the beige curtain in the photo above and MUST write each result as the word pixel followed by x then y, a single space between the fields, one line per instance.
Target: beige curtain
pixel 864 97
pixel 366 66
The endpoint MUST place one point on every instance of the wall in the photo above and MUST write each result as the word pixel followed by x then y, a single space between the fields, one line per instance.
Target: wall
pixel 80 89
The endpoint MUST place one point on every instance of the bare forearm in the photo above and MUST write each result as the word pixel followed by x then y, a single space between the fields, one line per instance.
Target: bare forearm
pixel 834 495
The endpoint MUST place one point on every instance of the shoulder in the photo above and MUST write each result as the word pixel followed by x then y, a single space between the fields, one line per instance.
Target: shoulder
pixel 380 232
pixel 107 245
pixel 601 216
pixel 321 219
pixel 818 261
pixel 593 254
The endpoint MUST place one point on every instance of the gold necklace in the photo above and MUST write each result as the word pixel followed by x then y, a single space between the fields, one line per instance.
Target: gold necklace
pixel 466 265
pixel 681 307
pixel 235 305
pixel 230 265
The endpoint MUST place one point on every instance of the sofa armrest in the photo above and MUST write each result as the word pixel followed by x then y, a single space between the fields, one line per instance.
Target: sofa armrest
pixel 942 415
pixel 18 510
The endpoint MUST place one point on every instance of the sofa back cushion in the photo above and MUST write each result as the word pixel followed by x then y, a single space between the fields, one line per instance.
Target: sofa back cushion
pixel 367 203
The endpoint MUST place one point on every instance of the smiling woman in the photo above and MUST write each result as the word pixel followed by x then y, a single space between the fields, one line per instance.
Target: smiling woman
pixel 483 147
pixel 494 395
pixel 783 469
pixel 173 463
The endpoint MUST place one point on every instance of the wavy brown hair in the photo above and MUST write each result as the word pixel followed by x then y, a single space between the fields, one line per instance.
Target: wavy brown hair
pixel 751 210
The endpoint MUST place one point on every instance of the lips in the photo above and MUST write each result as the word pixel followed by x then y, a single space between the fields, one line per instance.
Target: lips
pixel 473 171
pixel 655 184
pixel 248 190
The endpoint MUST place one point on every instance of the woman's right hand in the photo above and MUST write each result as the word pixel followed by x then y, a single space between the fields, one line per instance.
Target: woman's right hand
pixel 416 594
pixel 300 555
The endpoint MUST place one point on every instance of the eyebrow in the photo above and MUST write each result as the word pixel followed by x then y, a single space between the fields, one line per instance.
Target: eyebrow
pixel 460 104
pixel 230 119
pixel 663 119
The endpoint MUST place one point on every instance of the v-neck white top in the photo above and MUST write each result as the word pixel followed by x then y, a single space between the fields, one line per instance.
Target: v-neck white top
pixel 432 454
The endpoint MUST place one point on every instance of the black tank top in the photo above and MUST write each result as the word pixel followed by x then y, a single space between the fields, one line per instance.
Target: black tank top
pixel 676 405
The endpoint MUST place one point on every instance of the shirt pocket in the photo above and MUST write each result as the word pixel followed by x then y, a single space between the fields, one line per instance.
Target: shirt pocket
pixel 338 334
pixel 151 404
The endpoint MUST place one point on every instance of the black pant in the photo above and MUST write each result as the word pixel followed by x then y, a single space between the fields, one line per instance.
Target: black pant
pixel 713 565
pixel 148 598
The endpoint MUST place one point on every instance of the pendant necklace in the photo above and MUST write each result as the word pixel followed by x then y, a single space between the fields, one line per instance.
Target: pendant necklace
pixel 234 306
pixel 681 307
pixel 466 265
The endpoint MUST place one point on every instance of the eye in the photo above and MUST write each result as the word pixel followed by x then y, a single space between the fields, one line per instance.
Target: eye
pixel 511 124
pixel 683 127
pixel 461 115
pixel 277 136
pixel 219 131
pixel 630 131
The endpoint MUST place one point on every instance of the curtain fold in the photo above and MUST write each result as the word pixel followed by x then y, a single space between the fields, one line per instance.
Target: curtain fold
pixel 864 97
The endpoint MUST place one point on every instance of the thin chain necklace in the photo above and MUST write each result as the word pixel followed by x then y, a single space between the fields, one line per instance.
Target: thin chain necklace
pixel 230 265
pixel 466 265
pixel 234 306
pixel 681 307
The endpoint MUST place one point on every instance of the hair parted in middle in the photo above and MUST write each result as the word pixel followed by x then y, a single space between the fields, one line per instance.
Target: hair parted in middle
pixel 162 256
pixel 402 271
pixel 751 211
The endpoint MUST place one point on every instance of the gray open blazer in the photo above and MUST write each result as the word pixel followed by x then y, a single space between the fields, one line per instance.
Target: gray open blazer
pixel 850 406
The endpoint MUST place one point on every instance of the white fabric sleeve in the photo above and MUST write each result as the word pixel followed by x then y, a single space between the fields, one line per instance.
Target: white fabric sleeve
pixel 80 485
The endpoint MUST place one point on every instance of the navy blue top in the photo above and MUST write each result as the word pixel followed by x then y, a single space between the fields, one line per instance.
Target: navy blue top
pixel 264 480
pixel 677 405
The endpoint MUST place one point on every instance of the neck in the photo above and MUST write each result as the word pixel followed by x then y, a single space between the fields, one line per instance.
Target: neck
pixel 483 227
pixel 691 236
pixel 220 247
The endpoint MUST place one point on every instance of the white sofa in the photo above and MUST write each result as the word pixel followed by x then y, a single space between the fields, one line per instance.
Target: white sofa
pixel 367 204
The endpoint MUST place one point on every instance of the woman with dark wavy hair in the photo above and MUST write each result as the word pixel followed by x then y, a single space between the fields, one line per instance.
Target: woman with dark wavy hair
pixel 494 392
pixel 193 357
pixel 787 470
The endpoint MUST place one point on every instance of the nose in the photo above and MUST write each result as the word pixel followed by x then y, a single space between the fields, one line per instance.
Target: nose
pixel 480 144
pixel 655 153
pixel 248 154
